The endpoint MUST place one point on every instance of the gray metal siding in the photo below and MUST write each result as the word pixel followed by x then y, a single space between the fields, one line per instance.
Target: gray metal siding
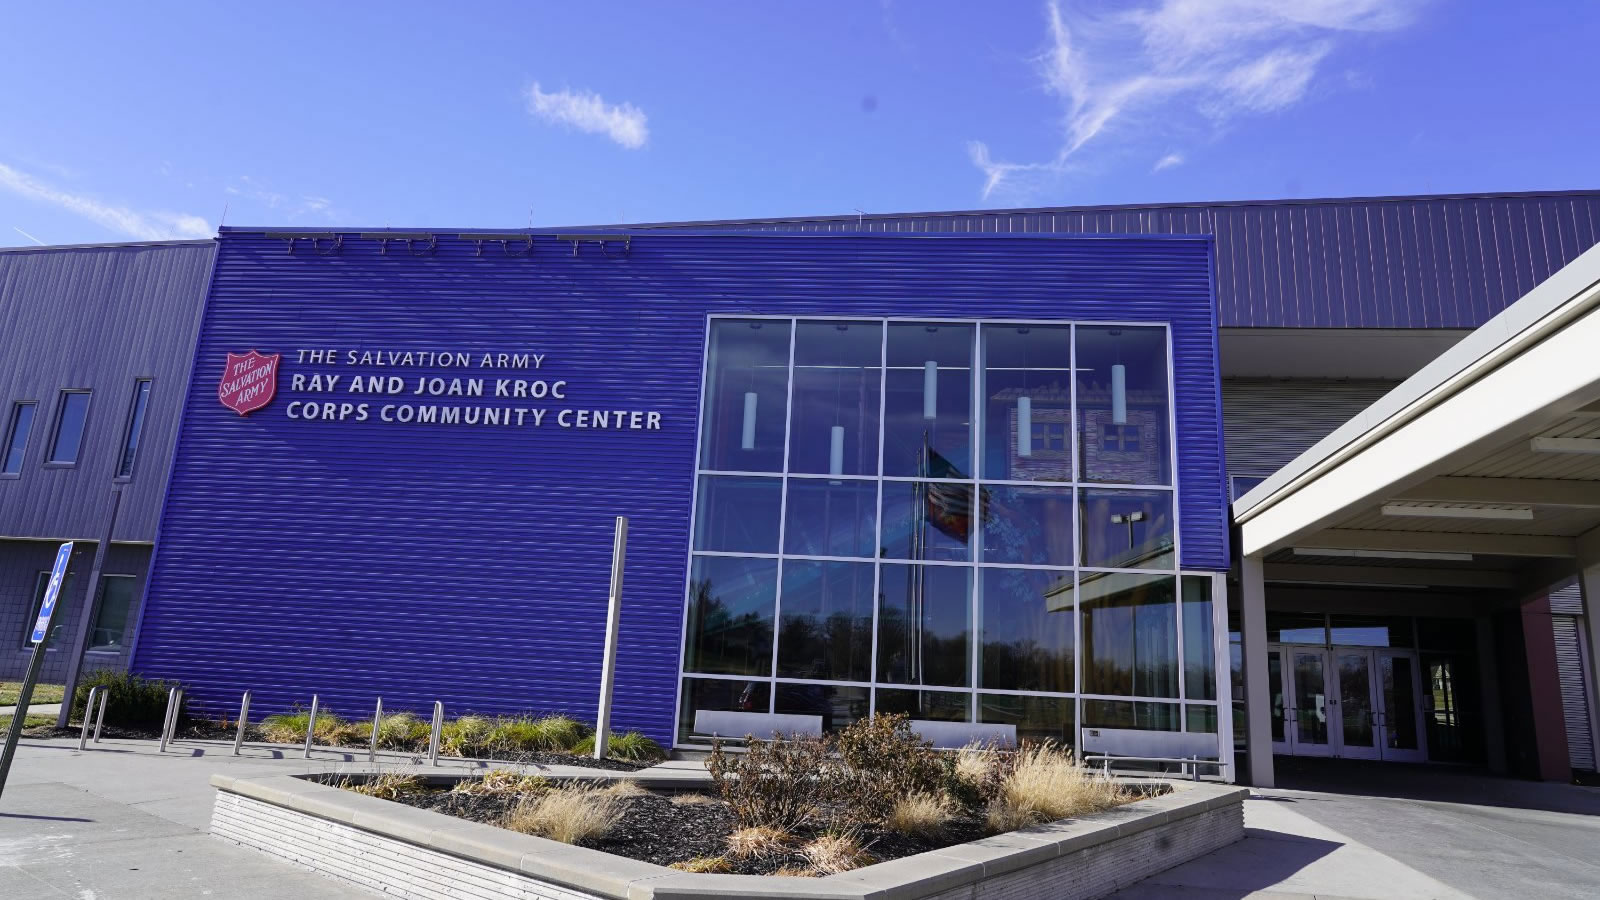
pixel 1382 262
pixel 1268 422
pixel 1573 676
pixel 97 318
pixel 20 565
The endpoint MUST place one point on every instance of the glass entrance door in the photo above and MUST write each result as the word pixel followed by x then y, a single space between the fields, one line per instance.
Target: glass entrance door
pixel 1358 707
pixel 1399 691
pixel 1308 695
pixel 1350 702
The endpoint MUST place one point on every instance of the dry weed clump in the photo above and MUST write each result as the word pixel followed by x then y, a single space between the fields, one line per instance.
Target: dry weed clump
pixel 692 800
pixel 569 815
pixel 704 865
pixel 500 782
pixel 838 852
pixel 1044 783
pixel 625 787
pixel 921 814
pixel 388 785
pixel 745 843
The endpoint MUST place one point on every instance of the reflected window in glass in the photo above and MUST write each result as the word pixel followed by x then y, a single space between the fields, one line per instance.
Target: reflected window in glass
pixel 1137 716
pixel 731 606
pixel 1199 640
pixel 933 706
pixel 1025 626
pixel 927 520
pixel 1027 402
pixel 837 705
pixel 838 373
pixel 825 627
pixel 831 518
pixel 117 599
pixel 746 396
pixel 924 620
pixel 1127 529
pixel 1035 718
pixel 1028 525
pixel 1123 405
pixel 1130 636
pixel 737 514
pixel 928 405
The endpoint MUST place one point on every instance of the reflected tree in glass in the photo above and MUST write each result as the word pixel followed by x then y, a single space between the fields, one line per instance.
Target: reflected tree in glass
pixel 825 629
pixel 924 619
pixel 1025 628
pixel 1130 635
pixel 731 607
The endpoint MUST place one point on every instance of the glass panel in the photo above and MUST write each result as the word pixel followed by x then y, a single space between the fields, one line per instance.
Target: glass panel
pixel 930 372
pixel 731 604
pixel 736 514
pixel 130 444
pixel 1202 719
pixel 831 518
pixel 17 437
pixel 1036 718
pixel 1399 702
pixel 1122 405
pixel 1026 627
pixel 1296 628
pixel 1275 682
pixel 1128 529
pixel 1199 644
pixel 1310 699
pixel 838 372
pixel 1140 716
pixel 721 696
pixel 1239 485
pixel 111 616
pixel 1030 525
pixel 1355 699
pixel 1027 396
pixel 924 616
pixel 69 427
pixel 1130 634
pixel 746 396
pixel 825 629
pixel 938 706
pixel 927 520
pixel 838 705
pixel 1370 631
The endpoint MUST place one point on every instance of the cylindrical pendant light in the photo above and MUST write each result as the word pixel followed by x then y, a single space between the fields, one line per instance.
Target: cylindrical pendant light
pixel 930 390
pixel 1024 426
pixel 1119 394
pixel 836 451
pixel 747 437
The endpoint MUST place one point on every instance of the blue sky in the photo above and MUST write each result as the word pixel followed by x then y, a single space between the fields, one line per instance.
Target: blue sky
pixel 141 121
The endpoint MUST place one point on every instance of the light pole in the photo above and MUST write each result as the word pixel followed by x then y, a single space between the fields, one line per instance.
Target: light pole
pixel 1128 519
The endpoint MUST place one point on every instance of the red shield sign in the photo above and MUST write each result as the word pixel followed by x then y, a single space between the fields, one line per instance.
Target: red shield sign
pixel 249 381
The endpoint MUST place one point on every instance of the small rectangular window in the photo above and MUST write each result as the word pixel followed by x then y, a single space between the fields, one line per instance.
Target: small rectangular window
pixel 70 419
pixel 130 440
pixel 17 437
pixel 111 615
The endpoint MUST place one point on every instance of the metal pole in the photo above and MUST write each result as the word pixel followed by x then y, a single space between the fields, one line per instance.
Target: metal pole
pixel 25 696
pixel 311 725
pixel 169 719
pixel 608 662
pixel 438 729
pixel 377 719
pixel 88 716
pixel 91 601
pixel 244 722
pixel 100 717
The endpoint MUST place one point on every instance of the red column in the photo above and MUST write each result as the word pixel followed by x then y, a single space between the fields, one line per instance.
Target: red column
pixel 1549 723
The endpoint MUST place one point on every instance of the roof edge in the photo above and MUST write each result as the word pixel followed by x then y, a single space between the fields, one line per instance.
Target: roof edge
pixel 42 248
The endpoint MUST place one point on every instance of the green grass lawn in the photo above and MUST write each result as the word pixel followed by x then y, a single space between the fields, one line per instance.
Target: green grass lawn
pixel 42 693
pixel 30 722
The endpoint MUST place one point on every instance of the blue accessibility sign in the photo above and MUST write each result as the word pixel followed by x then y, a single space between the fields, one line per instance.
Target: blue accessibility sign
pixel 58 574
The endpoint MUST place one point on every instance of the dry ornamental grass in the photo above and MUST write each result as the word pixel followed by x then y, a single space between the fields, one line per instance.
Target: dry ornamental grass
pixel 1044 784
pixel 831 854
pixel 569 815
pixel 920 814
pixel 758 841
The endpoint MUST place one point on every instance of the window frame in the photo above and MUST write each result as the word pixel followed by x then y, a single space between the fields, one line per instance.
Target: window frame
pixel 133 429
pixel 100 608
pixel 50 462
pixel 10 435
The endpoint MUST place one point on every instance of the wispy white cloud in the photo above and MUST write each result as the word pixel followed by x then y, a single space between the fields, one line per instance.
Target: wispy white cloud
pixel 1168 161
pixel 289 208
pixel 152 225
pixel 588 112
pixel 1144 72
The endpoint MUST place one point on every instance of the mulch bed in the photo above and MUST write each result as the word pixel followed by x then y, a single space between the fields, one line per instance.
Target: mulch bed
pixel 653 829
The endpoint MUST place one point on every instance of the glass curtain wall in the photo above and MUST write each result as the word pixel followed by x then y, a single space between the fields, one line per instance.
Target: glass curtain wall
pixel 959 521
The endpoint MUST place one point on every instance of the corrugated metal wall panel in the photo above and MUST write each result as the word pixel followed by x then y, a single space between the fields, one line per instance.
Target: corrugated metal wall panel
pixel 1269 422
pixel 1385 262
pixel 471 565
pixel 1574 691
pixel 1567 601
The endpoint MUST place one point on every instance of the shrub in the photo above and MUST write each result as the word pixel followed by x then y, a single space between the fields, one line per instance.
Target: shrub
pixel 758 841
pixel 629 747
pixel 290 728
pixel 885 761
pixel 781 784
pixel 498 782
pixel 703 865
pixel 568 815
pixel 1044 783
pixel 465 736
pixel 132 701
pixel 525 735
pixel 402 731
pixel 920 814
pixel 831 854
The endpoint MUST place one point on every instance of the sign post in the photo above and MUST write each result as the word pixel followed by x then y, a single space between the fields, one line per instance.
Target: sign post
pixel 40 636
pixel 608 662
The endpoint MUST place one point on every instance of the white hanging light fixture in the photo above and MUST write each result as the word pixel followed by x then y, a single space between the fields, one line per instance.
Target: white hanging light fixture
pixel 1119 394
pixel 836 451
pixel 747 437
pixel 930 390
pixel 1024 426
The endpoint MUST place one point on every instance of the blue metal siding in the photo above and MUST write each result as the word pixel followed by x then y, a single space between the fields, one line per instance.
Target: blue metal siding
pixel 98 318
pixel 471 564
pixel 1386 262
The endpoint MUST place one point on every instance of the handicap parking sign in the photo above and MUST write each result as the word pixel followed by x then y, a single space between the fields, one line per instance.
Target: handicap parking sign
pixel 58 573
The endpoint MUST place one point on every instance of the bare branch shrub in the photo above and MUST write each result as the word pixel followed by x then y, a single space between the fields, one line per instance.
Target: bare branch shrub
pixel 782 784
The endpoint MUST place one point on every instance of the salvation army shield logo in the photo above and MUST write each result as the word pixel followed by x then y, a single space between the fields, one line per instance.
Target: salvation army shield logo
pixel 249 381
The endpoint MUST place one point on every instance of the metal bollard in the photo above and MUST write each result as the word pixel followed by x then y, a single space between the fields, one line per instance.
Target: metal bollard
pixel 438 730
pixel 377 718
pixel 100 717
pixel 311 725
pixel 244 722
pixel 170 724
pixel 88 716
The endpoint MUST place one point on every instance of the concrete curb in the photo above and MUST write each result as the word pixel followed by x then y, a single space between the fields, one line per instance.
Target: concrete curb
pixel 375 842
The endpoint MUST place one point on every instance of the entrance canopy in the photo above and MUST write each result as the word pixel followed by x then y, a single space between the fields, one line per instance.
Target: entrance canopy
pixel 1482 471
